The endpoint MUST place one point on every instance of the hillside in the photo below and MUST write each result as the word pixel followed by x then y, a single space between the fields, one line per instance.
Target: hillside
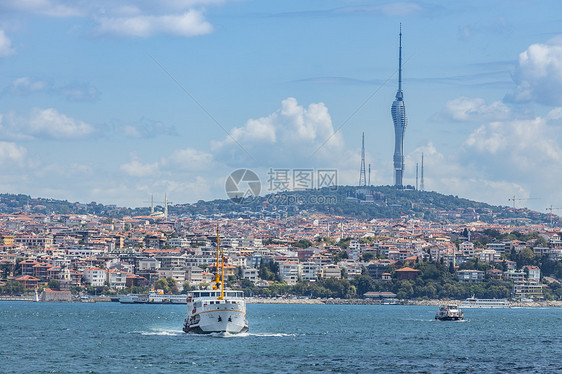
pixel 363 203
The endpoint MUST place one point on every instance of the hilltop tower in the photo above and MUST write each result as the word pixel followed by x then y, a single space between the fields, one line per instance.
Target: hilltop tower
pixel 400 122
pixel 362 178
pixel 421 183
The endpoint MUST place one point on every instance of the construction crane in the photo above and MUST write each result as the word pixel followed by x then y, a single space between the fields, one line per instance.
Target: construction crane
pixel 551 209
pixel 514 199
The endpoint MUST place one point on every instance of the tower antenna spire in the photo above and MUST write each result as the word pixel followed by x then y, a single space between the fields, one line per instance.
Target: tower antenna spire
pixel 400 65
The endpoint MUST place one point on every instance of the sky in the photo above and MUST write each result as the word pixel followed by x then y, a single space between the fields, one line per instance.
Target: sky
pixel 116 102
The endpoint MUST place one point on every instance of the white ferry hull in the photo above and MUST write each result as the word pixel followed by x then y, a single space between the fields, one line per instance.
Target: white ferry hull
pixel 218 317
pixel 219 321
pixel 473 303
pixel 133 299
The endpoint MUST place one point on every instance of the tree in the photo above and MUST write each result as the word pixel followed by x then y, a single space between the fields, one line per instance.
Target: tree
pixel 162 284
pixel 54 285
pixel 367 256
pixel 363 284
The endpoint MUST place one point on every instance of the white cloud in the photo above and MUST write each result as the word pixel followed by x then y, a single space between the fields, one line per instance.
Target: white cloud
pixel 26 85
pixel 190 159
pixel 137 18
pixel 539 74
pixel 143 128
pixel 525 143
pixel 137 169
pixel 5 45
pixel 475 109
pixel 47 123
pixel 190 23
pixel 286 137
pixel 11 153
pixel 449 174
pixel 56 125
pixel 45 7
pixel 79 92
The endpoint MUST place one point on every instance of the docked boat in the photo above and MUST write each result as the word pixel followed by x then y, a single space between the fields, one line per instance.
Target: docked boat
pixel 133 299
pixel 216 310
pixel 449 312
pixel 473 302
pixel 153 297
pixel 158 297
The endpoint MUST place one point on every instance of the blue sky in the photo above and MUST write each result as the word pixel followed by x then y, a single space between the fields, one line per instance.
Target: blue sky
pixel 116 101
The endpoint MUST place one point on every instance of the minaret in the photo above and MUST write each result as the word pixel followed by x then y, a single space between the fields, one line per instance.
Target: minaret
pixel 166 205
pixel 400 122
pixel 369 174
pixel 362 179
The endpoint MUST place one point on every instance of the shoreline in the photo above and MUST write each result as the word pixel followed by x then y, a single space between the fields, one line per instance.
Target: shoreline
pixel 433 302
pixel 281 300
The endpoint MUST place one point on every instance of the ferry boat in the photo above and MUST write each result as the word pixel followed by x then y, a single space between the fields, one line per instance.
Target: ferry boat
pixel 216 310
pixel 449 312
pixel 133 299
pixel 473 302
pixel 153 297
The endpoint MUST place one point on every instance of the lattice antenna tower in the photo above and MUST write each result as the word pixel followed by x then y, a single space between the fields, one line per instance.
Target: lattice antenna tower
pixel 362 176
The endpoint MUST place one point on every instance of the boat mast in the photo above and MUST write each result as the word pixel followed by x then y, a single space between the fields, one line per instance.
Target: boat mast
pixel 219 275
pixel 222 273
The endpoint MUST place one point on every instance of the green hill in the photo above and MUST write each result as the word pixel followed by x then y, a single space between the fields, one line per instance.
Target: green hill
pixel 363 203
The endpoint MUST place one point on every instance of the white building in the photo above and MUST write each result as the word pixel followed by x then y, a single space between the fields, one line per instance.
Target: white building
pixel 116 279
pixel 289 272
pixel 331 271
pixel 310 271
pixel 251 274
pixel 95 277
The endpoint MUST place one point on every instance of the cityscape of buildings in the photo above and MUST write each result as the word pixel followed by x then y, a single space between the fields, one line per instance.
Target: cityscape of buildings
pixel 81 251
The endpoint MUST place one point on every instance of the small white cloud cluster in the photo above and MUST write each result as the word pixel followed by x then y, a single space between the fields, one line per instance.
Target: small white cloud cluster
pixel 288 136
pixel 539 74
pixel 73 92
pixel 46 123
pixel 125 18
pixel 11 153
pixel 475 109
pixel 6 48
pixel 190 23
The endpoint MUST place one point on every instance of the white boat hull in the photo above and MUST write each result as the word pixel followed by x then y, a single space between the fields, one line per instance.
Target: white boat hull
pixel 213 318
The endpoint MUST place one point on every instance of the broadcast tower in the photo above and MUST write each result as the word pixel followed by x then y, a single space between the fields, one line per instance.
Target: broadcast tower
pixel 400 123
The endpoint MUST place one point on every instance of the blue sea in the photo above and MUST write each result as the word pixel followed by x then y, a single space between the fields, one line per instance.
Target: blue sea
pixel 118 338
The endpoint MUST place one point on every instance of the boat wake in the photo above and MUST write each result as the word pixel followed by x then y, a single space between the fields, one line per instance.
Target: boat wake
pixel 242 335
pixel 160 333
pixel 279 335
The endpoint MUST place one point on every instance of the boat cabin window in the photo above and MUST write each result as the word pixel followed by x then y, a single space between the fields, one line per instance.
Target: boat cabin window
pixel 204 294
pixel 234 294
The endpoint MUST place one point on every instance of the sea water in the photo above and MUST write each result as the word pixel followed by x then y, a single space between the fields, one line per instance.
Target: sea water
pixel 119 338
